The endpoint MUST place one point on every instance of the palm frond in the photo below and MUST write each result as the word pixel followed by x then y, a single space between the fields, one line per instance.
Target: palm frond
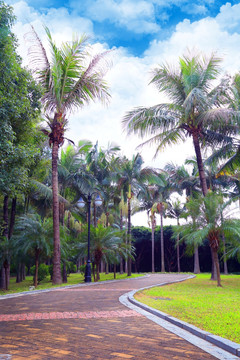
pixel 145 121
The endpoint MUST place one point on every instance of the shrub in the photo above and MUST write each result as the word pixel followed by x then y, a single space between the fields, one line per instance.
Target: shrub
pixel 43 272
pixel 72 268
pixel 82 269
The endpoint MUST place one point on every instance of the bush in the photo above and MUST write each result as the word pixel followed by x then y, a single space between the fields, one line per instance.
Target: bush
pixel 72 268
pixel 82 269
pixel 43 272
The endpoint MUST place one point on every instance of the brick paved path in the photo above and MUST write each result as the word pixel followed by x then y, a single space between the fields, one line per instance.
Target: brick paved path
pixel 88 322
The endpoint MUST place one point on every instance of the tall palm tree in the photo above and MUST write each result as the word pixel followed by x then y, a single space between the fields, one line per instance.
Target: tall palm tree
pixel 196 109
pixel 174 211
pixel 132 178
pixel 70 79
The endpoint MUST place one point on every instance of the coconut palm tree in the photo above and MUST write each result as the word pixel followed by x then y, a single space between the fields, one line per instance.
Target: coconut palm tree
pixel 70 79
pixel 195 109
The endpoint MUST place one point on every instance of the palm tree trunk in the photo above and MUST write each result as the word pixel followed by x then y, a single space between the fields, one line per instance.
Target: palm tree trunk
pixel 153 265
pixel 196 269
pixel 57 278
pixel 129 237
pixel 178 253
pixel 162 244
pixel 6 235
pixel 98 274
pixel 37 252
pixel 3 281
pixel 202 176
pixel 214 269
pixel 12 218
pixel 216 261
pixel 201 171
pixel 114 270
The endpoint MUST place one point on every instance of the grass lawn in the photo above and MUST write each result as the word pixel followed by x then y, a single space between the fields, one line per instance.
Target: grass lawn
pixel 73 279
pixel 201 303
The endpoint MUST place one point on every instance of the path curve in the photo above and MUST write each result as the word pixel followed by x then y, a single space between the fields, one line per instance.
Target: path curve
pixel 88 322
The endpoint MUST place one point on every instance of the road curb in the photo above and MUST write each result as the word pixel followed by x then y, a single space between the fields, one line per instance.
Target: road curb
pixel 222 343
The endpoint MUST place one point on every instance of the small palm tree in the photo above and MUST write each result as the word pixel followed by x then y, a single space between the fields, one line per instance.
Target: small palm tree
pixel 208 223
pixel 69 81
pixel 105 245
pixel 33 235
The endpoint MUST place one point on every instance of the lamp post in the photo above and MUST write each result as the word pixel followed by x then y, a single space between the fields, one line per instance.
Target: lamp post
pixel 81 204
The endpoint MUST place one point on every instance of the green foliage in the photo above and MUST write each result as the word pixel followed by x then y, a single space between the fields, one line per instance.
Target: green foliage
pixel 19 111
pixel 43 272
pixel 72 268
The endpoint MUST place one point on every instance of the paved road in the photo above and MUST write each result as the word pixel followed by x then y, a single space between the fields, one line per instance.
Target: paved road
pixel 88 322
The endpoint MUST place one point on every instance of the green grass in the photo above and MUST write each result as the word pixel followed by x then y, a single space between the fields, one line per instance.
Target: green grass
pixel 201 303
pixel 73 279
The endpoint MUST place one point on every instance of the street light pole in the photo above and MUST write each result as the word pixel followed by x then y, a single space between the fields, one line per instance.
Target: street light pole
pixel 88 266
pixel 98 202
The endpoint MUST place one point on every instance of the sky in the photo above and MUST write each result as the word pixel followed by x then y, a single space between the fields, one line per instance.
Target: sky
pixel 142 34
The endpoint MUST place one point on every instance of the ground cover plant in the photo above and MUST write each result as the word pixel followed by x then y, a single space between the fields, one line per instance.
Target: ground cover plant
pixel 199 302
pixel 73 279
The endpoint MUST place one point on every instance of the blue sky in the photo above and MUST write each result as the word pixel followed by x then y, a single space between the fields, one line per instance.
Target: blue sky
pixel 133 24
pixel 143 34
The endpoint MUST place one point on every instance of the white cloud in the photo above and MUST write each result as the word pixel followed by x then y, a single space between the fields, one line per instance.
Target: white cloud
pixel 60 22
pixel 229 17
pixel 135 15
pixel 129 75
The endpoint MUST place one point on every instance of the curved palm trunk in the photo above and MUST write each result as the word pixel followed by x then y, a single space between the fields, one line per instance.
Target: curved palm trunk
pixel 201 171
pixel 203 180
pixel 57 278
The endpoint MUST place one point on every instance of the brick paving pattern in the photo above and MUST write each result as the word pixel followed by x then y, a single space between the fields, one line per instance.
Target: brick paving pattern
pixel 88 322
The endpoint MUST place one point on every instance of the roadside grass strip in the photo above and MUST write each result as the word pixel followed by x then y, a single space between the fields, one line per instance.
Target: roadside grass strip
pixel 200 302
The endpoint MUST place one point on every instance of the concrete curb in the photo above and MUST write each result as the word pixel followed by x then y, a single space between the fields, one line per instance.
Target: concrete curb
pixel 222 343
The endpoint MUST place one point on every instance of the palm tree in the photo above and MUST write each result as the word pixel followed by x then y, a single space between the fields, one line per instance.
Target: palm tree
pixel 174 211
pixel 33 235
pixel 208 222
pixel 68 83
pixel 105 245
pixel 132 178
pixel 195 109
